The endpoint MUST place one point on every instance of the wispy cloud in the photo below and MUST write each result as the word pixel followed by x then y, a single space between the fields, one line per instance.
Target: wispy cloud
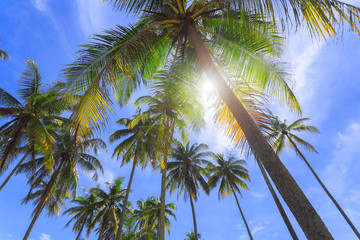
pixel 336 174
pixel 258 228
pixel 257 195
pixel 41 5
pixel 45 237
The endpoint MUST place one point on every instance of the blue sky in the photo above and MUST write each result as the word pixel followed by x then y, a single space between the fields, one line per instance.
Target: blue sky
pixel 327 86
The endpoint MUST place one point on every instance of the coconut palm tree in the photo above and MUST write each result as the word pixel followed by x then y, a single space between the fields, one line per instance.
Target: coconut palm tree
pixel 132 230
pixel 283 132
pixel 82 213
pixel 138 146
pixel 191 236
pixel 230 174
pixel 186 173
pixel 255 103
pixel 126 56
pixel 148 214
pixel 56 197
pixel 171 107
pixel 109 206
pixel 30 116
pixel 68 154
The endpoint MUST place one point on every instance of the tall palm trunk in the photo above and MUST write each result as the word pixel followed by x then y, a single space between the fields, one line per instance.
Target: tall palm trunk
pixel 325 189
pixel 194 216
pixel 13 171
pixel 162 201
pixel 242 214
pixel 278 203
pixel 305 214
pixel 123 212
pixel 81 229
pixel 43 200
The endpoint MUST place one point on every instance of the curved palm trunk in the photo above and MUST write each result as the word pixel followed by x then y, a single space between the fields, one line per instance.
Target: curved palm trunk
pixel 305 214
pixel 43 200
pixel 242 214
pixel 162 201
pixel 123 212
pixel 81 229
pixel 13 171
pixel 325 189
pixel 278 203
pixel 194 216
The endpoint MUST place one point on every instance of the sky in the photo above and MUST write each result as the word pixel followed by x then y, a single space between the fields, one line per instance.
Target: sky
pixel 326 82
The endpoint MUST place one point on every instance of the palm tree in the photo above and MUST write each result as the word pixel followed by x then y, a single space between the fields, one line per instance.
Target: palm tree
pixel 82 213
pixel 186 173
pixel 132 230
pixel 29 118
pixel 148 214
pixel 191 236
pixel 126 56
pixel 109 206
pixel 255 103
pixel 56 198
pixel 67 155
pixel 229 173
pixel 282 132
pixel 137 147
pixel 172 109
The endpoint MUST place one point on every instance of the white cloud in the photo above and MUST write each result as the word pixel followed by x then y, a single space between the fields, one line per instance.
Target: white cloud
pixel 91 16
pixel 258 228
pixel 301 53
pixel 257 195
pixel 45 237
pixel 243 237
pixel 9 235
pixel 336 174
pixel 41 5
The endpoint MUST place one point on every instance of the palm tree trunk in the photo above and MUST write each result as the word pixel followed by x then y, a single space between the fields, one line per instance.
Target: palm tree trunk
pixel 194 217
pixel 162 201
pixel 122 216
pixel 325 189
pixel 278 203
pixel 305 214
pixel 43 200
pixel 81 229
pixel 242 214
pixel 13 171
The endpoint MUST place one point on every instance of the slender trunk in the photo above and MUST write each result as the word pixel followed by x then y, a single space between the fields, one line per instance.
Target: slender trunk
pixel 242 214
pixel 305 214
pixel 163 180
pixel 43 200
pixel 194 217
pixel 162 201
pixel 81 229
pixel 13 171
pixel 325 189
pixel 123 212
pixel 278 203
